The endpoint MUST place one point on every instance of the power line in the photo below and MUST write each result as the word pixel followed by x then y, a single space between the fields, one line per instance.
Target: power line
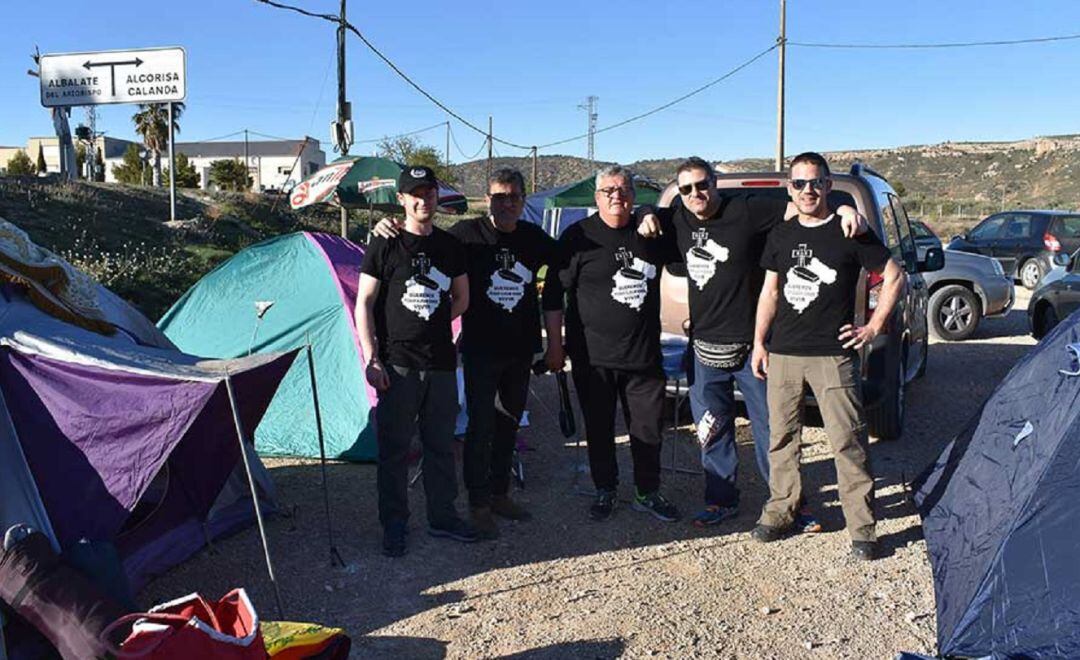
pixel 667 105
pixel 962 44
pixel 221 137
pixel 400 135
pixel 461 151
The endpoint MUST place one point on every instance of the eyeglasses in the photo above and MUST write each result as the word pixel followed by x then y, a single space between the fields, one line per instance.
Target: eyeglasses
pixel 610 191
pixel 699 186
pixel 816 184
pixel 505 198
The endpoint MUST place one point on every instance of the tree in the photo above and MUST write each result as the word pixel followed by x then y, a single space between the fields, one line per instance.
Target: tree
pixel 230 175
pixel 20 164
pixel 99 173
pixel 187 177
pixel 80 157
pixel 131 170
pixel 152 124
pixel 901 191
pixel 42 168
pixel 408 151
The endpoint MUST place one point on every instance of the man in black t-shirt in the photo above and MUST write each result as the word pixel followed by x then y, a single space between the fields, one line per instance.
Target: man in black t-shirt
pixel 610 277
pixel 808 304
pixel 720 238
pixel 411 287
pixel 500 334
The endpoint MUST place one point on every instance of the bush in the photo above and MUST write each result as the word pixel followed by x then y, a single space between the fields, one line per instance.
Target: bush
pixel 20 165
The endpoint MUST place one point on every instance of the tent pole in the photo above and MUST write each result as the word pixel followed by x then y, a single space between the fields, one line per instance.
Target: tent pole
pixel 334 555
pixel 254 495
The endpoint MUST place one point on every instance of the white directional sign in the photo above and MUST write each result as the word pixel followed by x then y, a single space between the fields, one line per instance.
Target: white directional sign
pixel 152 75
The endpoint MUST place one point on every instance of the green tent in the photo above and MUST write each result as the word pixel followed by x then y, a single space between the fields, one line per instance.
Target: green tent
pixel 582 194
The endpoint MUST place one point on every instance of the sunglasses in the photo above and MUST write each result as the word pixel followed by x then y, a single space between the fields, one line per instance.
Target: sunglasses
pixel 699 186
pixel 505 198
pixel 816 184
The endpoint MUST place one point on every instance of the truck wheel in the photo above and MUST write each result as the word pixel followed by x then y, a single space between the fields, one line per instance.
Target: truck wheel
pixel 954 312
pixel 885 421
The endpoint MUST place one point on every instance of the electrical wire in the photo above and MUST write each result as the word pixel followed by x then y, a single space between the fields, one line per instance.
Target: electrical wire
pixel 400 135
pixel 962 44
pixel 220 137
pixel 453 138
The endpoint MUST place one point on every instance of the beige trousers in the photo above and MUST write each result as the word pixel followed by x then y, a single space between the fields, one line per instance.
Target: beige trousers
pixel 836 385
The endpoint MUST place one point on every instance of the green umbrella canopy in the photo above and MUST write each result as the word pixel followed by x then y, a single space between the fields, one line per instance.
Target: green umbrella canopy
pixel 582 194
pixel 364 182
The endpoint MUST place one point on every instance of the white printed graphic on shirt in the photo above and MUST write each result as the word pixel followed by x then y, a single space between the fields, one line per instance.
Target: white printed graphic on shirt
pixel 423 291
pixel 702 258
pixel 508 282
pixel 632 280
pixel 804 280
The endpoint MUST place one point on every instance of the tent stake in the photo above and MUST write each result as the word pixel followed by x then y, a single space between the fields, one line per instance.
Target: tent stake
pixel 334 555
pixel 254 495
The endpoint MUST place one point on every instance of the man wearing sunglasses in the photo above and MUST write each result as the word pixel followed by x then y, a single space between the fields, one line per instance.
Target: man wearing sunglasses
pixel 610 277
pixel 805 334
pixel 720 239
pixel 500 332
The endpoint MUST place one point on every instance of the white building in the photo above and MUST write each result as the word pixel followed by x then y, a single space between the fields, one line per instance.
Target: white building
pixel 273 164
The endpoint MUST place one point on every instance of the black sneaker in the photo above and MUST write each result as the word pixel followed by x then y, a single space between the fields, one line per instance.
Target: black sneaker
pixel 657 505
pixel 768 534
pixel 456 529
pixel 603 505
pixel 864 550
pixel 394 540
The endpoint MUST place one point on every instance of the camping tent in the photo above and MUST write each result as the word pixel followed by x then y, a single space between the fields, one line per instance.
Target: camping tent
pixel 558 208
pixel 1000 513
pixel 106 439
pixel 311 280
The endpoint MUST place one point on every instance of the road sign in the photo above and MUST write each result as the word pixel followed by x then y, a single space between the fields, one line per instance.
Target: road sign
pixel 151 75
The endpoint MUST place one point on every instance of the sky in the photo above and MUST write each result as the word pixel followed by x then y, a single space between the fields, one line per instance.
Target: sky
pixel 530 65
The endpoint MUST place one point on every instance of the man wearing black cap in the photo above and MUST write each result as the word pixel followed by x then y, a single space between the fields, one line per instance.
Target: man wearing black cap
pixel 411 287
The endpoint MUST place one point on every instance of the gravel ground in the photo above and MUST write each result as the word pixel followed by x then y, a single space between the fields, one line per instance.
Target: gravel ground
pixel 562 586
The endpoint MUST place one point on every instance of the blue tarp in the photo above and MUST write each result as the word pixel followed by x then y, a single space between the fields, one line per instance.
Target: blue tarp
pixel 554 221
pixel 1001 516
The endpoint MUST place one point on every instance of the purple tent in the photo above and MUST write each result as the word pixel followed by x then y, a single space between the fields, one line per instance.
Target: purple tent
pixel 106 439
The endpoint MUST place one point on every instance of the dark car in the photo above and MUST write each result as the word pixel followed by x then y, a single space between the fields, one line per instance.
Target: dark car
pixel 1025 242
pixel 1058 297
pixel 897 356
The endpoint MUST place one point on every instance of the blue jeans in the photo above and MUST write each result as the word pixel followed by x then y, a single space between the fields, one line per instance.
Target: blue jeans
pixel 712 390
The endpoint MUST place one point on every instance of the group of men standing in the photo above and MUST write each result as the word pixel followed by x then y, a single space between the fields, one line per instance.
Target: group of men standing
pixel 766 296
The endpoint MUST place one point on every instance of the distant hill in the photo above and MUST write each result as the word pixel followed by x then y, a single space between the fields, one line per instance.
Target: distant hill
pixel 975 178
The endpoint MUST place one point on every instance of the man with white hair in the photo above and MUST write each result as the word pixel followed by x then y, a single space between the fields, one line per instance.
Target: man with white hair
pixel 610 276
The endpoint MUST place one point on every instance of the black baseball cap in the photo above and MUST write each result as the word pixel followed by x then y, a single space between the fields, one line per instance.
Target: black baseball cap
pixel 414 176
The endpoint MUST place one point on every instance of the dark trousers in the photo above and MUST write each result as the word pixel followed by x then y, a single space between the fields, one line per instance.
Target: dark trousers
pixel 641 394
pixel 424 401
pixel 495 393
pixel 713 391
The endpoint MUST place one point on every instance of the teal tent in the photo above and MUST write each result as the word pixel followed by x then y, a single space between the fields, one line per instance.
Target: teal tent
pixel 274 296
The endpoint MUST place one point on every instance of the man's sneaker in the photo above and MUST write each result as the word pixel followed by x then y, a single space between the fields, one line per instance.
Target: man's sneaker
pixel 768 534
pixel 806 522
pixel 456 529
pixel 657 505
pixel 394 540
pixel 714 515
pixel 603 506
pixel 484 523
pixel 864 550
pixel 503 506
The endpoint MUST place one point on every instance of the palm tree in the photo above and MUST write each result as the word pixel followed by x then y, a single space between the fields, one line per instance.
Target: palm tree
pixel 152 124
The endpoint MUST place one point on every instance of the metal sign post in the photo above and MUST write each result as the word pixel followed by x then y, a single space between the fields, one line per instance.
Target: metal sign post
pixel 172 167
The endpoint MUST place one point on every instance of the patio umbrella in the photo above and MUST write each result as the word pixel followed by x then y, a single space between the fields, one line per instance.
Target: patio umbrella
pixel 364 182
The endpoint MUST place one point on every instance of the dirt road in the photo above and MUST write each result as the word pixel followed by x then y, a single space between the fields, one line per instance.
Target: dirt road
pixel 562 586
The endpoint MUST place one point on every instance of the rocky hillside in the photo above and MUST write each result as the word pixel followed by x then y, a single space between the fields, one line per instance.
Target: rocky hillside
pixel 969 178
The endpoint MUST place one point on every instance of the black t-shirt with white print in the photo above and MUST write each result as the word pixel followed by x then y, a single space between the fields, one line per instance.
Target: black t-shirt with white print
pixel 503 318
pixel 819 271
pixel 723 256
pixel 611 278
pixel 412 313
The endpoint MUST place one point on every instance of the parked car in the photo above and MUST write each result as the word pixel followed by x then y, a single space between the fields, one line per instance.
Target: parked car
pixel 1025 242
pixel 969 288
pixel 1057 297
pixel 897 356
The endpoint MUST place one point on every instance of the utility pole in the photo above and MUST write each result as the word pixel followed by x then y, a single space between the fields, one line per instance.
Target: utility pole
pixel 247 165
pixel 490 146
pixel 590 107
pixel 448 143
pixel 534 170
pixel 91 154
pixel 342 128
pixel 782 42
